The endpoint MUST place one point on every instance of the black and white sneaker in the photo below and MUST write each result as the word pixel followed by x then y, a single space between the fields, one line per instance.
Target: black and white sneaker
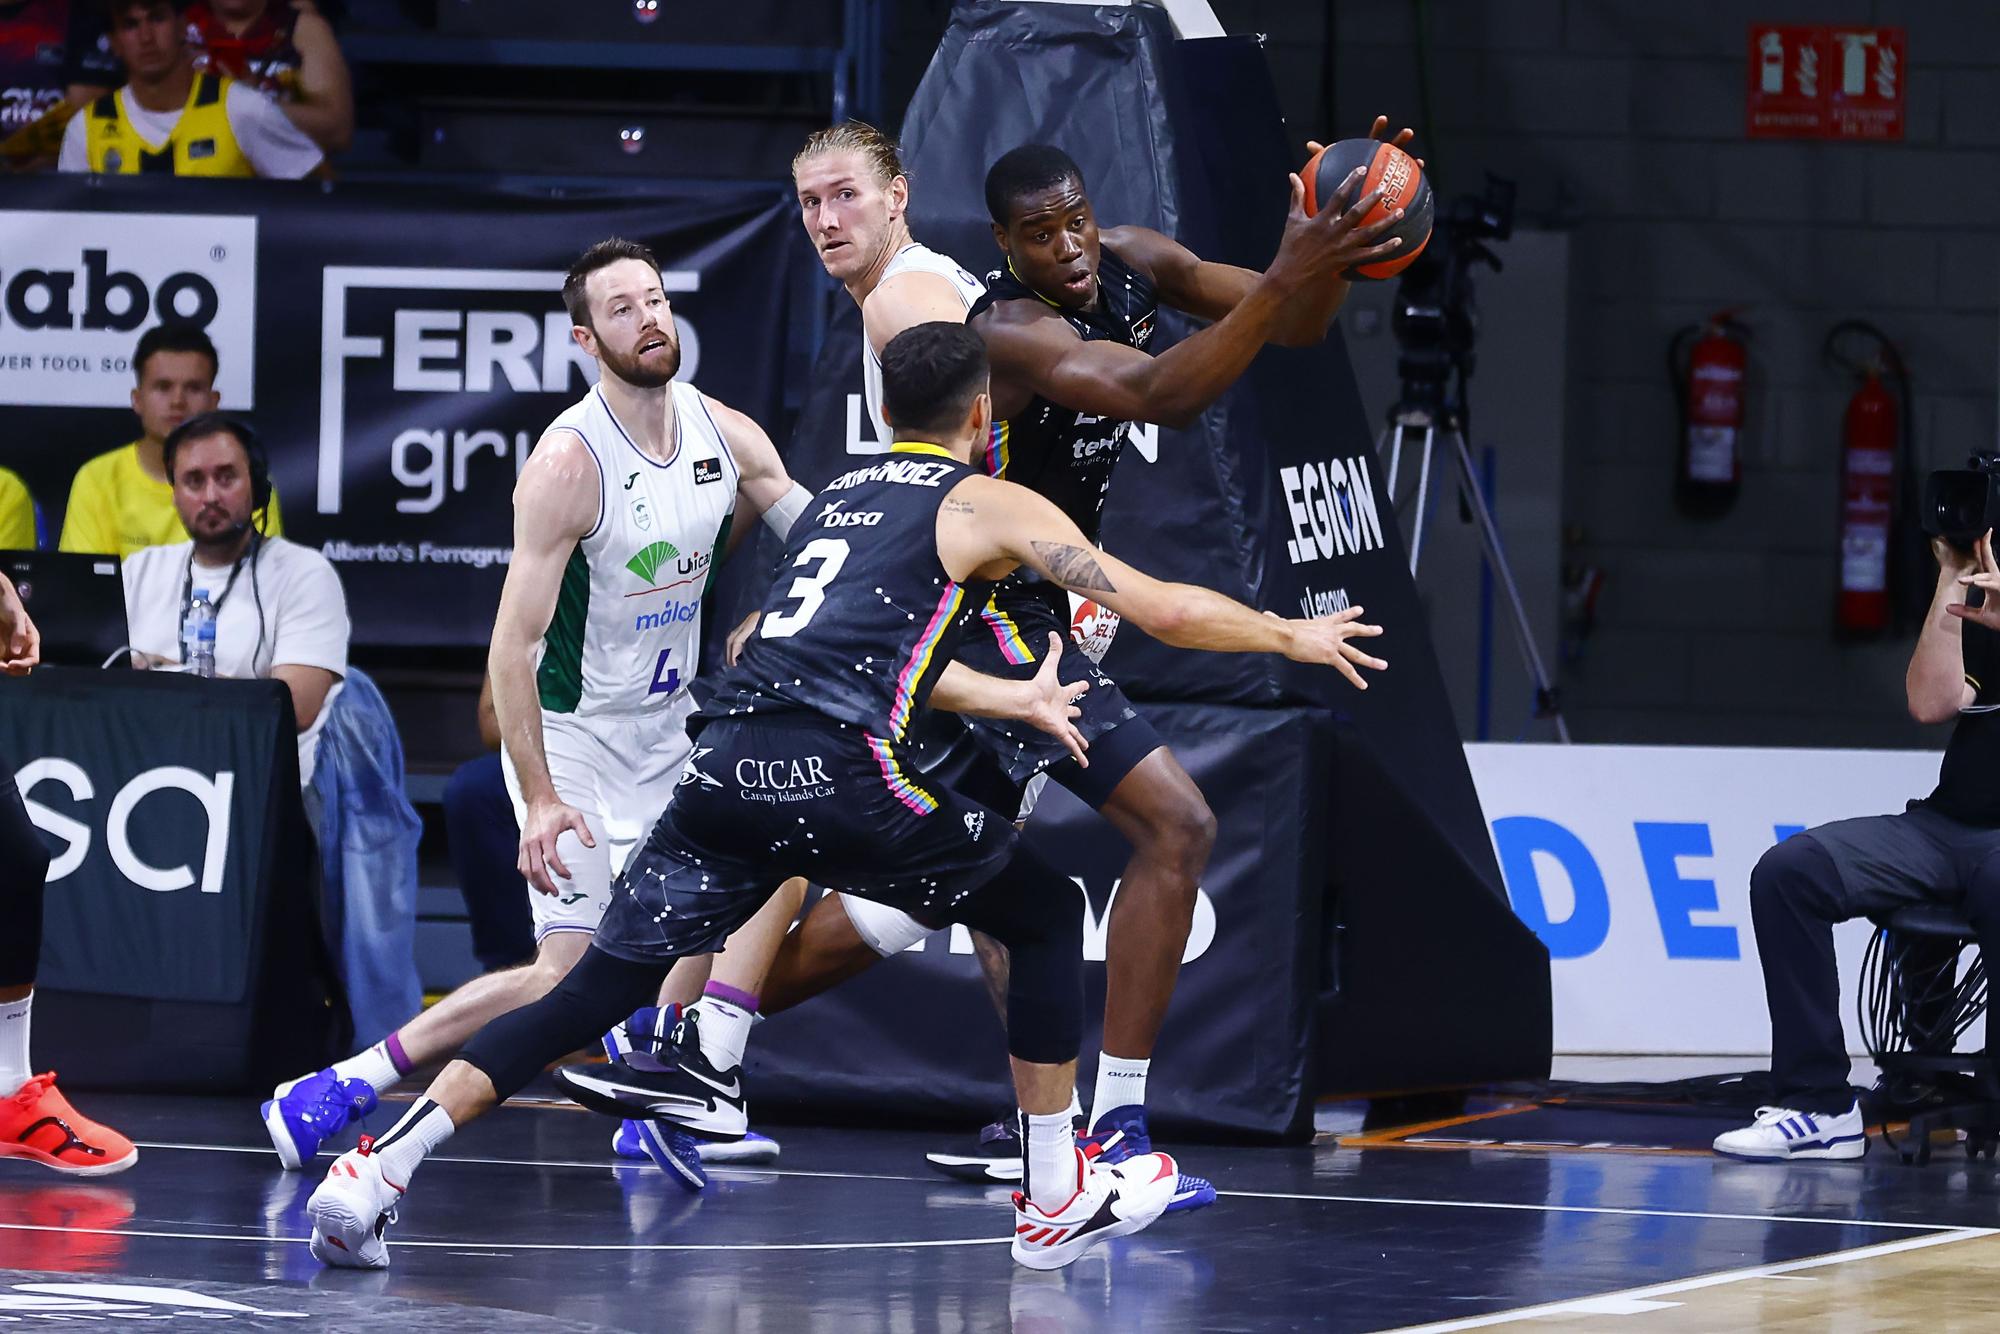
pixel 680 1085
pixel 994 1157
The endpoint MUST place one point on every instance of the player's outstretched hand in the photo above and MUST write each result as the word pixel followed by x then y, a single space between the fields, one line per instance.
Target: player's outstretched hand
pixel 1051 704
pixel 732 647
pixel 547 821
pixel 20 641
pixel 1324 639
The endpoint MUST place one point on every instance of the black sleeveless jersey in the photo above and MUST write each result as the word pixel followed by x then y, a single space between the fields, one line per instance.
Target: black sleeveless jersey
pixel 1059 453
pixel 862 617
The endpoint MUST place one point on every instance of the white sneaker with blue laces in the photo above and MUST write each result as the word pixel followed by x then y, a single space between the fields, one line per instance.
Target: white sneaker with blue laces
pixel 1783 1133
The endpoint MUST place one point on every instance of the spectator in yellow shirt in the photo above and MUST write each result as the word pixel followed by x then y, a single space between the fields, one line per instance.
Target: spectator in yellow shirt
pixel 17 514
pixel 122 501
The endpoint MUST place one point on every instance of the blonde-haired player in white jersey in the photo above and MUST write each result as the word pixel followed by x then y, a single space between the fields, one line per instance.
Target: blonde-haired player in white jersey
pixel 620 514
pixel 854 199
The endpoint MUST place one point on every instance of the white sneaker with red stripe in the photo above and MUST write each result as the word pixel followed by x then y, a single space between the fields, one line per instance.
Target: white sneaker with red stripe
pixel 1110 1201
pixel 351 1211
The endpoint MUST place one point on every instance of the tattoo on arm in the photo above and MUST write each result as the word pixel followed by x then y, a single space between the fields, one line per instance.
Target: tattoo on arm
pixel 959 507
pixel 1074 567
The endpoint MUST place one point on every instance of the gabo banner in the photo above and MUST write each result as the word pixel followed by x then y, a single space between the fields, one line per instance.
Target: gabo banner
pixel 400 350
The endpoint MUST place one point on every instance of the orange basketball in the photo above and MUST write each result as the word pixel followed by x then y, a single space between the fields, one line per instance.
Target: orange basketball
pixel 1401 182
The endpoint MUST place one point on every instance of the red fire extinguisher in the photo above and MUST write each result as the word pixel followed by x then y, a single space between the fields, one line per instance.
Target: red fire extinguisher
pixel 1706 363
pixel 1872 482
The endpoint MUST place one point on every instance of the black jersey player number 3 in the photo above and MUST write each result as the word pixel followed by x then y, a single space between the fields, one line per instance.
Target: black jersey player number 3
pixel 828 554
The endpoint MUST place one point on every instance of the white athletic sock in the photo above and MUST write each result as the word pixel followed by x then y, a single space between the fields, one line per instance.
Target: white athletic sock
pixel 14 1068
pixel 1120 1083
pixel 374 1065
pixel 724 1029
pixel 1048 1159
pixel 412 1139
pixel 1075 1104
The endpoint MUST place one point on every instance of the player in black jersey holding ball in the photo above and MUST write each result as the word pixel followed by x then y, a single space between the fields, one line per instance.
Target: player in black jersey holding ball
pixel 798 765
pixel 1067 322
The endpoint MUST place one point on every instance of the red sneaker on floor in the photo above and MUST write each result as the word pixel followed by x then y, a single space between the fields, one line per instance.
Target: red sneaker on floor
pixel 38 1123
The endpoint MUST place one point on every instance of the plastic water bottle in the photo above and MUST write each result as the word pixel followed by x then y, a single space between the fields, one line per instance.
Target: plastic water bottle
pixel 203 662
pixel 198 635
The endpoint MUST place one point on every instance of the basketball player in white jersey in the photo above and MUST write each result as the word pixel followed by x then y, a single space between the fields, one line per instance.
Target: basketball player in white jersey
pixel 620 514
pixel 854 199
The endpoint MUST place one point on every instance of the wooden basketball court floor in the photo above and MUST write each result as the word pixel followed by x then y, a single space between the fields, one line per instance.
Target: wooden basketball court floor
pixel 524 1221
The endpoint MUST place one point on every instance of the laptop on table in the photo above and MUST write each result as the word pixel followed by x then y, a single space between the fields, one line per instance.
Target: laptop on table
pixel 76 600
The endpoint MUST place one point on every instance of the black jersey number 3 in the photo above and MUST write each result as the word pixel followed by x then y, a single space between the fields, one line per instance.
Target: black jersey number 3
pixel 827 555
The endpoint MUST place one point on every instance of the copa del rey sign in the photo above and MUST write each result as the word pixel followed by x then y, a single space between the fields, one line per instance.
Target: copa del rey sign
pixel 1825 83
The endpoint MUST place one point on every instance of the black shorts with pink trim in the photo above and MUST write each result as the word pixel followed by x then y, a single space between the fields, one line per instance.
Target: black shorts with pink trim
pixel 1008 637
pixel 797 794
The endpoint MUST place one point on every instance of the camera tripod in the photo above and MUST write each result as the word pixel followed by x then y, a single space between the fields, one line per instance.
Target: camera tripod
pixel 1437 425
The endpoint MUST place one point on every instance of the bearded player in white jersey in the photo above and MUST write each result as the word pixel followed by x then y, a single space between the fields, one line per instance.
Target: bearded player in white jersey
pixel 620 514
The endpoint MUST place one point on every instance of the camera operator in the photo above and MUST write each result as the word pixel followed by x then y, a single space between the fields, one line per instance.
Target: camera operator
pixel 1939 850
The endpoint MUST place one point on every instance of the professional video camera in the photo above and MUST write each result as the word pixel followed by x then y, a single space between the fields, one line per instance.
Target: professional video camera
pixel 1436 322
pixel 1436 319
pixel 1961 504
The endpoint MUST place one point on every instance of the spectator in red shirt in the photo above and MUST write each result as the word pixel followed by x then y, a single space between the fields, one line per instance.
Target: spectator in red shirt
pixel 286 49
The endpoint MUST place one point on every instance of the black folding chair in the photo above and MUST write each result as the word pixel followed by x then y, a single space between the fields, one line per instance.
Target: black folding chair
pixel 1915 1002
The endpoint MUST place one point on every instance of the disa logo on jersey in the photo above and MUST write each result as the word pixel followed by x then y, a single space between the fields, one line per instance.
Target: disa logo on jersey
pixel 835 516
pixel 78 289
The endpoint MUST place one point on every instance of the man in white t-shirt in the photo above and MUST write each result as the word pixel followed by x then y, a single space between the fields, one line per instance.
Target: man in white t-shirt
pixel 174 118
pixel 280 611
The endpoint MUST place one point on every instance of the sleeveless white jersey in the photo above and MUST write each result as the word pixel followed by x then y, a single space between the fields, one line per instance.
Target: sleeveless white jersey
pixel 912 258
pixel 627 626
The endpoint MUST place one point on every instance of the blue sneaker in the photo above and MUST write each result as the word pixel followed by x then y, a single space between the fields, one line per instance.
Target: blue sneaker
pixel 1121 1134
pixel 302 1115
pixel 673 1151
pixel 645 1031
pixel 752 1150
pixel 650 1028
pixel 625 1141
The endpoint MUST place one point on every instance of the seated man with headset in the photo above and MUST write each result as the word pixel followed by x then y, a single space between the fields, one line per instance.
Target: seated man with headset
pixel 279 608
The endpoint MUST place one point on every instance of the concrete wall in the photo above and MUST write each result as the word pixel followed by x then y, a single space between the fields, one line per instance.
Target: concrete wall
pixel 1623 120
